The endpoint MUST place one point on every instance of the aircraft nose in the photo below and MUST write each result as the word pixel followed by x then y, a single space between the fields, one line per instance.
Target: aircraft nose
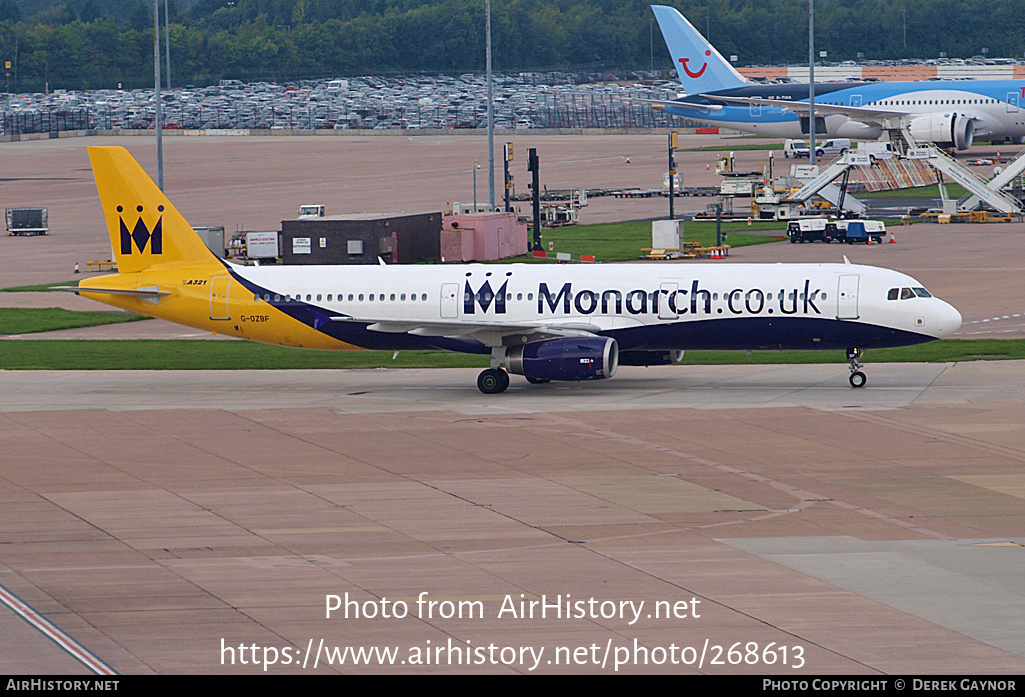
pixel 948 320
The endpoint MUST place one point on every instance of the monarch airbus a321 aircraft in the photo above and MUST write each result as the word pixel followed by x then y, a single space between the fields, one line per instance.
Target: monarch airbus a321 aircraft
pixel 544 322
pixel 945 112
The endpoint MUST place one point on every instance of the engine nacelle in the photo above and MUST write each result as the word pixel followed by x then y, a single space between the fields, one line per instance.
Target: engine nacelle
pixel 650 357
pixel 586 358
pixel 944 129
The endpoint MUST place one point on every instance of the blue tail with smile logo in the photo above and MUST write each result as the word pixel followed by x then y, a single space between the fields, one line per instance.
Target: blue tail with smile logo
pixel 701 68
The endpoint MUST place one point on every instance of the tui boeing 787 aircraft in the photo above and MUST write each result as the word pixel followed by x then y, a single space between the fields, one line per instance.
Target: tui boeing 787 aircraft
pixel 544 322
pixel 945 112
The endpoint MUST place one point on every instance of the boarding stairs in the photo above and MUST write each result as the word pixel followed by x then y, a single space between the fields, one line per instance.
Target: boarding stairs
pixel 978 189
pixel 1006 176
pixel 822 183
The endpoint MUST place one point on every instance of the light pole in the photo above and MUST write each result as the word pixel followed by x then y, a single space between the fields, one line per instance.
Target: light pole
pixel 904 24
pixel 811 80
pixel 167 43
pixel 476 166
pixel 156 90
pixel 491 117
pixel 651 44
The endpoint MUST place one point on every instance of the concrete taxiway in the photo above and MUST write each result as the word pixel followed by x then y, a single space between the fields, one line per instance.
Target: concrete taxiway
pixel 187 522
pixel 705 519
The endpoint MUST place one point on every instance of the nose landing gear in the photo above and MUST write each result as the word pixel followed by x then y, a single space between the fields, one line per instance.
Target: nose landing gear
pixel 857 378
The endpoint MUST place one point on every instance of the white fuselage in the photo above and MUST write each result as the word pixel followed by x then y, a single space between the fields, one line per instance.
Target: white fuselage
pixel 657 306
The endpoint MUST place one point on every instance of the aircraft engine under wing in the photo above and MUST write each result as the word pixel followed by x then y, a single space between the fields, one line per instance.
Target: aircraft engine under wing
pixel 956 129
pixel 574 359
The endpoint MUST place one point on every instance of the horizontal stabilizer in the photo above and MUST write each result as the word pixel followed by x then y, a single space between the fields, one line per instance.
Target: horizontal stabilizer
pixel 150 292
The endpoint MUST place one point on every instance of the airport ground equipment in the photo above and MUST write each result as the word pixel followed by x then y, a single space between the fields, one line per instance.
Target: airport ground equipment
pixel 811 230
pixel 860 231
pixel 213 238
pixel 27 221
pixel 104 265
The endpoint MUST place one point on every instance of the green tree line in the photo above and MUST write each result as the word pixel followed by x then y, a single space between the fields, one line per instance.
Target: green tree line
pixel 88 44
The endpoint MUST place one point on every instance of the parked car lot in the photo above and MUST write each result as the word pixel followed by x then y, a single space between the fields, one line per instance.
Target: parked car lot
pixel 523 101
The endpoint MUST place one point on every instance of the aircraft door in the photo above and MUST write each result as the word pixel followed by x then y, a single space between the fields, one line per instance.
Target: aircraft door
pixel 449 300
pixel 219 289
pixel 665 310
pixel 847 297
pixel 856 100
pixel 756 111
pixel 1012 102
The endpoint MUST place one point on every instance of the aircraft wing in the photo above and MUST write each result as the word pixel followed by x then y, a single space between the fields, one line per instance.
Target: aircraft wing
pixel 868 115
pixel 490 333
pixel 661 105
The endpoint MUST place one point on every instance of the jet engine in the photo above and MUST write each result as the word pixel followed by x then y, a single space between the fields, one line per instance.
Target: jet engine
pixel 650 357
pixel 585 358
pixel 944 129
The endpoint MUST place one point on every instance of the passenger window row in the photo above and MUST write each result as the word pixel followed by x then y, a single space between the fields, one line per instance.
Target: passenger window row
pixel 486 297
pixel 380 297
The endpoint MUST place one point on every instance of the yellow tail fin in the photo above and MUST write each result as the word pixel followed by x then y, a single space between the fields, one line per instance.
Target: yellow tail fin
pixel 145 229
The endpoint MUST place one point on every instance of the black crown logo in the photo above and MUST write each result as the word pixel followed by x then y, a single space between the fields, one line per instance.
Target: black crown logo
pixel 142 235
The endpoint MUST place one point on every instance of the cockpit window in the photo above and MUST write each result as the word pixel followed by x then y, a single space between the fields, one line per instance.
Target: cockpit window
pixel 906 293
pixel 922 292
pixel 893 294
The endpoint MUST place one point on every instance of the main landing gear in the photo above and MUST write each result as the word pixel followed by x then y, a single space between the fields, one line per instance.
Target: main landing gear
pixel 493 381
pixel 857 378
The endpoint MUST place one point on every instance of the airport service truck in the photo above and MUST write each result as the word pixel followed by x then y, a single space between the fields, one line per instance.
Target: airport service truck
pixel 27 221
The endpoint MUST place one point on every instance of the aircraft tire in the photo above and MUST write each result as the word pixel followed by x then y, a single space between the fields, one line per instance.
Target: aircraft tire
pixel 858 379
pixel 493 381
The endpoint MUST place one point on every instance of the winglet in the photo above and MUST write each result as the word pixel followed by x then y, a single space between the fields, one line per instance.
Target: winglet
pixel 701 68
pixel 144 228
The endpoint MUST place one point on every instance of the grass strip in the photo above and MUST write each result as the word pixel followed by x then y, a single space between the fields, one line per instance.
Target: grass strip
pixel 146 354
pixel 38 288
pixel 29 320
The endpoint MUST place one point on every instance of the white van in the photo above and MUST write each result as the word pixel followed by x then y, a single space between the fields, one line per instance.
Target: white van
pixel 835 146
pixel 796 148
pixel 877 150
